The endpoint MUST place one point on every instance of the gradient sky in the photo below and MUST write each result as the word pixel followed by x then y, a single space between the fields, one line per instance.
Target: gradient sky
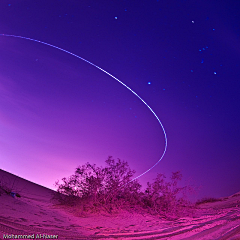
pixel 58 112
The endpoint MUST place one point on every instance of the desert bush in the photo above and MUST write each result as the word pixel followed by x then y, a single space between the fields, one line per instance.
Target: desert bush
pixel 101 186
pixel 236 195
pixel 111 188
pixel 8 188
pixel 208 200
pixel 166 197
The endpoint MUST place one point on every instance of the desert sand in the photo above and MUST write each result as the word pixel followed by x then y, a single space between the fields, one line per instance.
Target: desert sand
pixel 36 215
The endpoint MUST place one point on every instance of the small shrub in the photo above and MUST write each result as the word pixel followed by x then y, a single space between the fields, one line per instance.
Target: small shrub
pixel 207 200
pixel 166 198
pixel 7 187
pixel 236 195
pixel 110 189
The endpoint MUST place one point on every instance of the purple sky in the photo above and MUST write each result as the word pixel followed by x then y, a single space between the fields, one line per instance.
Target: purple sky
pixel 58 112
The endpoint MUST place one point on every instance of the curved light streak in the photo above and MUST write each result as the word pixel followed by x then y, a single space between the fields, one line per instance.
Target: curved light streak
pixel 83 59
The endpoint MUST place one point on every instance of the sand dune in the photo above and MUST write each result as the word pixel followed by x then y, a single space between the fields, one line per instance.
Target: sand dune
pixel 34 213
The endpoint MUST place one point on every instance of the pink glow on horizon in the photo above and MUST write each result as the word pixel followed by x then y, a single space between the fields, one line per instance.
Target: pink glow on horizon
pixel 52 120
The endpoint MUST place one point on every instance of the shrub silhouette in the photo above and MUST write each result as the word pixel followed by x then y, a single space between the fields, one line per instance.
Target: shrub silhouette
pixel 110 188
pixel 9 187
pixel 166 198
pixel 102 186
pixel 208 200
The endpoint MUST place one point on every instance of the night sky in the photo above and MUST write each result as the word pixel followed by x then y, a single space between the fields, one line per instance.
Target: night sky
pixel 58 112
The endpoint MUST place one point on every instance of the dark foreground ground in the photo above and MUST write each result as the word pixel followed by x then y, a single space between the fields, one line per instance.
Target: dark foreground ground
pixel 35 213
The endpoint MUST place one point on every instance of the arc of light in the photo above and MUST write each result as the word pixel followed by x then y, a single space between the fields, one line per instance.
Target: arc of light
pixel 83 59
